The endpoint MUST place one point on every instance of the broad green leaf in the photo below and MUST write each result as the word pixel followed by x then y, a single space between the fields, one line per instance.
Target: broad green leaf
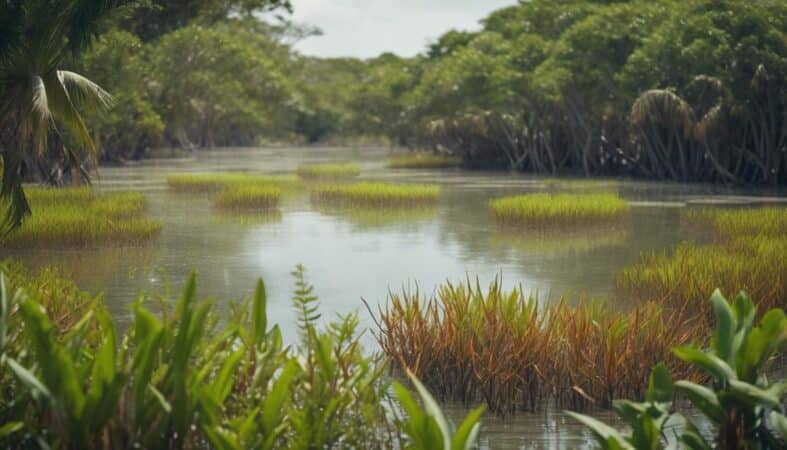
pixel 10 428
pixel 703 399
pixel 272 407
pixel 603 432
pixel 433 410
pixel 467 432
pixel 660 385
pixel 259 317
pixel 706 361
pixel 754 395
pixel 779 422
pixel 27 378
pixel 725 326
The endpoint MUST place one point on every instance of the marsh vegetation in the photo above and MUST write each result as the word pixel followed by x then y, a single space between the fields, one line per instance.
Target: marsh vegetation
pixel 80 217
pixel 377 194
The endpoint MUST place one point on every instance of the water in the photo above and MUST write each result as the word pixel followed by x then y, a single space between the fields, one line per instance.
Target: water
pixel 351 255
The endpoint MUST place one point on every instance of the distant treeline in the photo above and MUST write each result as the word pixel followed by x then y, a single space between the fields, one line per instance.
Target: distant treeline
pixel 691 90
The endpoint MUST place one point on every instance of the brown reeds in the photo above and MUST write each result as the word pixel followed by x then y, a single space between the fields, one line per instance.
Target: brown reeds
pixel 503 347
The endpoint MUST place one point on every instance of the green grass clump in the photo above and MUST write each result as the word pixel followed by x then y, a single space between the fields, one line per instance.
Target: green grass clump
pixel 78 217
pixel 333 171
pixel 424 161
pixel 248 197
pixel 771 221
pixel 748 253
pixel 558 209
pixel 377 194
pixel 215 182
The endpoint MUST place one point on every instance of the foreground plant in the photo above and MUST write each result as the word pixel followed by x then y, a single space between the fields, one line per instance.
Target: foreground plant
pixel 181 380
pixel 746 410
pixel 427 428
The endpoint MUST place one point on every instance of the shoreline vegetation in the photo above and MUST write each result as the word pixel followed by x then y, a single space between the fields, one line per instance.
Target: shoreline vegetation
pixel 81 217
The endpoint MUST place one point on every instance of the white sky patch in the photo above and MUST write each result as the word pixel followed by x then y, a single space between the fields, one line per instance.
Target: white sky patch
pixel 367 28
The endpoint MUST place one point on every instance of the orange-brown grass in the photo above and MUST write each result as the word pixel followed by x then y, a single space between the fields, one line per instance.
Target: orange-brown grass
pixel 502 347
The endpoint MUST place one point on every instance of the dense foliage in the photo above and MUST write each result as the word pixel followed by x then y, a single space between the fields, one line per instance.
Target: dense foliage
pixel 180 379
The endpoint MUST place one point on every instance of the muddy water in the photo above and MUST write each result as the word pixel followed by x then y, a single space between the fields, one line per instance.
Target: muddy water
pixel 353 254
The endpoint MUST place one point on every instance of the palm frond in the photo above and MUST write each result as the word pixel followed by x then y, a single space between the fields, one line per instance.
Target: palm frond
pixel 42 115
pixel 65 112
pixel 12 194
pixel 85 94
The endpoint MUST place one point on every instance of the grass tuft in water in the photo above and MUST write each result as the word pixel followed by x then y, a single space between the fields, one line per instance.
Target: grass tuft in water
pixel 747 253
pixel 248 197
pixel 540 210
pixel 377 194
pixel 505 348
pixel 215 182
pixel 78 217
pixel 424 161
pixel 333 171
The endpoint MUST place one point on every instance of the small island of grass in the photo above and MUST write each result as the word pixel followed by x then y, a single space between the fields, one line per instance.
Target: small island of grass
pixel 211 182
pixel 248 197
pixel 377 194
pixel 558 209
pixel 79 217
pixel 333 171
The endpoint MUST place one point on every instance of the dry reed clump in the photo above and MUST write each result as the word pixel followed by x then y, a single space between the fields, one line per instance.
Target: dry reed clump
pixel 78 217
pixel 539 210
pixel 748 253
pixel 215 182
pixel 246 197
pixel 504 348
pixel 333 171
pixel 377 194
pixel 424 161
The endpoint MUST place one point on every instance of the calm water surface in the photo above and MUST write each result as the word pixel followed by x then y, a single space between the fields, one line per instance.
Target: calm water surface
pixel 351 255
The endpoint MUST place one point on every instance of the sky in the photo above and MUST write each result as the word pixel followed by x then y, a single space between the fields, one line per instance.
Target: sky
pixel 366 28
